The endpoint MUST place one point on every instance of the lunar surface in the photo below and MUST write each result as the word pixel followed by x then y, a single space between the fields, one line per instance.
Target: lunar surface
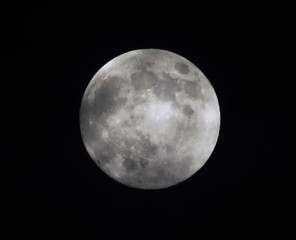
pixel 150 119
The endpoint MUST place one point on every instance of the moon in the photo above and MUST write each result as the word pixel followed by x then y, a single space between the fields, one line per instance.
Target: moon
pixel 149 119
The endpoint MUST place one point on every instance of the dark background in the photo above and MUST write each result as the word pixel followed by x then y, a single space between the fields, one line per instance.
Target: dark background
pixel 51 187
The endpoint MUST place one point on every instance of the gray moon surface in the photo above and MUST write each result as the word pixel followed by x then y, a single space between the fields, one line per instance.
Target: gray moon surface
pixel 149 119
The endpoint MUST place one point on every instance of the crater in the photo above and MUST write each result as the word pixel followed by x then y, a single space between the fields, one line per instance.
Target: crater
pixel 103 152
pixel 144 162
pixel 119 103
pixel 88 125
pixel 129 164
pixel 182 68
pixel 105 96
pixel 192 89
pixel 187 110
pixel 164 90
pixel 143 80
pixel 147 149
pixel 102 159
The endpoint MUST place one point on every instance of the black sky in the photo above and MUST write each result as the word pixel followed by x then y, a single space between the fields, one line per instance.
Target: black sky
pixel 50 185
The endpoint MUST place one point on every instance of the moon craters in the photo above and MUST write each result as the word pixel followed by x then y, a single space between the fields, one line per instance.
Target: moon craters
pixel 149 119
pixel 193 89
pixel 106 97
pixel 143 80
pixel 182 67
pixel 188 111
pixel 166 88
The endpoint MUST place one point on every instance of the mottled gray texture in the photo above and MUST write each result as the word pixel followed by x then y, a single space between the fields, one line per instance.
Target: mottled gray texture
pixel 142 80
pixel 188 111
pixel 150 119
pixel 182 67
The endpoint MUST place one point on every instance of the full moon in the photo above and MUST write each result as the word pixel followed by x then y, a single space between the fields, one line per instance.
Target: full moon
pixel 149 118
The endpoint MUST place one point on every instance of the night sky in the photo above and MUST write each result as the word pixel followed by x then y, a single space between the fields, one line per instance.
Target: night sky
pixel 49 184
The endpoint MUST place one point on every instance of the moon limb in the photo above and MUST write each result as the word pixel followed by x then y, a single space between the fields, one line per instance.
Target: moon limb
pixel 149 118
